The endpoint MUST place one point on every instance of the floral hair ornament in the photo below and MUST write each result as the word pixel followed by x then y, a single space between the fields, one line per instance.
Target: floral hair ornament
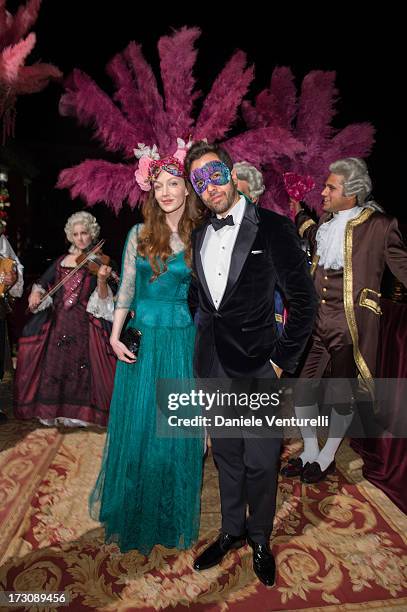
pixel 297 186
pixel 150 164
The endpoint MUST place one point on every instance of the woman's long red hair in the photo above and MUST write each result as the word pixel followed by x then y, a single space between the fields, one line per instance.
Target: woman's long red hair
pixel 154 237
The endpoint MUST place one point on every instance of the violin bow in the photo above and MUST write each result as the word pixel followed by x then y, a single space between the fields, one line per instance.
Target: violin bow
pixel 71 273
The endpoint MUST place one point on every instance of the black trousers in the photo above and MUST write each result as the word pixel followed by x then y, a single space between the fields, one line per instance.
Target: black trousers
pixel 248 468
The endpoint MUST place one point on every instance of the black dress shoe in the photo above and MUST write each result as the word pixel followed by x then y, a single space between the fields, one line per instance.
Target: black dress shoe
pixel 264 565
pixel 294 467
pixel 217 550
pixel 313 473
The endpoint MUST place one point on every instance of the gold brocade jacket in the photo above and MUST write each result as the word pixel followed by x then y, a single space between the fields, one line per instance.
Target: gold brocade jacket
pixel 372 240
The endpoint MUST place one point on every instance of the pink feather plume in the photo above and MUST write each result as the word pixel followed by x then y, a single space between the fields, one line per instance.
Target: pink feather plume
pixel 316 106
pixel 309 122
pixel 128 98
pixel 150 97
pixel 100 181
pixel 23 21
pixel 219 110
pixel 263 145
pixel 93 107
pixel 178 56
pixel 13 57
pixel 15 77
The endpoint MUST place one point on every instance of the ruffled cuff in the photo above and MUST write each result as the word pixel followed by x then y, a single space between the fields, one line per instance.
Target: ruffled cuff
pixel 46 303
pixel 101 308
pixel 16 290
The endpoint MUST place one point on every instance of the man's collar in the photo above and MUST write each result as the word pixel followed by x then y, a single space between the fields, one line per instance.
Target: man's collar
pixel 237 210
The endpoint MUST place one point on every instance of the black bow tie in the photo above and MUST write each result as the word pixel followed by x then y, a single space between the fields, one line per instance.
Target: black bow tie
pixel 218 223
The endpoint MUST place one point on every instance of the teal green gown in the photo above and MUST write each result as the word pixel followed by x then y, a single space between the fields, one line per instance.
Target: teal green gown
pixel 148 490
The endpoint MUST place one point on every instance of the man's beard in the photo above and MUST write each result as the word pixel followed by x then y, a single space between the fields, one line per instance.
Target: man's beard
pixel 224 204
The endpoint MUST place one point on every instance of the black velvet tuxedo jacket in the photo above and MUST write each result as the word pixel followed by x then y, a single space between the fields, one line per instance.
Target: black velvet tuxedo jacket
pixel 242 332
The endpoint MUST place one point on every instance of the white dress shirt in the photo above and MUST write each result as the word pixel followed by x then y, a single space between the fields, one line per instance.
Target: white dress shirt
pixel 217 249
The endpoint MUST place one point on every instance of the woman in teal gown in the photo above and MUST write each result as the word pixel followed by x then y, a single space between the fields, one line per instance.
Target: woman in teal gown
pixel 148 490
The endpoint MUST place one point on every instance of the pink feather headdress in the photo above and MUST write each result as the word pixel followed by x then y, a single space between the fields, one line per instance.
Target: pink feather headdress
pixel 150 164
pixel 138 113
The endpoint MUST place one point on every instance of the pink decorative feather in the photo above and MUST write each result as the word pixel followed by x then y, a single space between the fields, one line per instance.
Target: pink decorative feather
pixel 34 78
pixel 355 140
pixel 12 58
pixel 23 21
pixel 100 181
pixel 264 145
pixel 283 97
pixel 178 56
pixel 250 115
pixel 93 107
pixel 220 107
pixel 150 97
pixel 128 98
pixel 309 122
pixel 276 105
pixel 15 77
pixel 143 118
pixel 316 106
pixel 5 23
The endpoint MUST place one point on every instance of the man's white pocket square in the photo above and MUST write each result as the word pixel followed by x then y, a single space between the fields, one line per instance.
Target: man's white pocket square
pixel 257 252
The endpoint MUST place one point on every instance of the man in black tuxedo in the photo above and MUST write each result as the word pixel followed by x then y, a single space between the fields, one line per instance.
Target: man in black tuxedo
pixel 239 254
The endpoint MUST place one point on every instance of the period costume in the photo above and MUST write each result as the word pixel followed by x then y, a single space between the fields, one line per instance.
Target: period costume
pixel 65 365
pixel 347 281
pixel 350 250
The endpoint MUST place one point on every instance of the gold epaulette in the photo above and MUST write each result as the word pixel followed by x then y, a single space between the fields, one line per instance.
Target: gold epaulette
pixel 305 226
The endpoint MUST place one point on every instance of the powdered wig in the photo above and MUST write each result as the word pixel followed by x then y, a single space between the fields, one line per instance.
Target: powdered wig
pixel 85 219
pixel 254 178
pixel 357 180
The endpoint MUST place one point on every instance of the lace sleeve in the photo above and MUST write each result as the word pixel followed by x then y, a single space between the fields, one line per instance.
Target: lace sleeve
pixel 45 303
pixel 101 308
pixel 125 294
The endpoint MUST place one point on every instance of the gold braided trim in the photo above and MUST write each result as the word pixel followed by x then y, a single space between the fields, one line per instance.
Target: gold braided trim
pixel 368 302
pixel 348 297
pixel 314 264
pixel 305 226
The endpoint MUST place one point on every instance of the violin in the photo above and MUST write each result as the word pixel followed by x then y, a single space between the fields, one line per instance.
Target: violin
pixel 94 260
pixel 92 251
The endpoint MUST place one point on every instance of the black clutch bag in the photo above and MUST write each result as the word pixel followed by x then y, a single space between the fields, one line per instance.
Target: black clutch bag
pixel 131 338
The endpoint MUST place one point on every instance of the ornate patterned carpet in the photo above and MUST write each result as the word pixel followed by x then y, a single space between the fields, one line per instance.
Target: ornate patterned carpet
pixel 340 545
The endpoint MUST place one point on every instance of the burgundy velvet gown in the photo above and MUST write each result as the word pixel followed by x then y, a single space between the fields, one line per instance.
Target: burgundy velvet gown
pixel 65 364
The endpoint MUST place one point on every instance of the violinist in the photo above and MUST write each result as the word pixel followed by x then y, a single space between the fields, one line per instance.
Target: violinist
pixel 65 365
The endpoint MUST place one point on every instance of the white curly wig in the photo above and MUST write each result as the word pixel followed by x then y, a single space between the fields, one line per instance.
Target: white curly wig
pixel 85 219
pixel 254 178
pixel 357 180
